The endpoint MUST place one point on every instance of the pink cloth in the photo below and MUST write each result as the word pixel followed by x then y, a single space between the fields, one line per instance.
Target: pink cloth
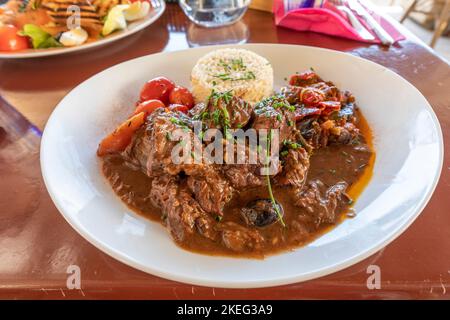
pixel 328 20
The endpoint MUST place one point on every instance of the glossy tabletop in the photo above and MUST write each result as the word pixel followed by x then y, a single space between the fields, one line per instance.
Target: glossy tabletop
pixel 37 246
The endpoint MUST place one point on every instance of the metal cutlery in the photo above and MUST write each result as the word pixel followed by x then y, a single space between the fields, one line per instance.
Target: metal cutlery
pixel 384 37
pixel 360 29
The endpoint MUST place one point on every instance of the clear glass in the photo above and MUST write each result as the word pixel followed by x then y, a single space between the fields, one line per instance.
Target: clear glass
pixel 237 33
pixel 214 13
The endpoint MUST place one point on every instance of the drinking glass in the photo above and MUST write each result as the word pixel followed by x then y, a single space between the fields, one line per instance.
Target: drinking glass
pixel 214 13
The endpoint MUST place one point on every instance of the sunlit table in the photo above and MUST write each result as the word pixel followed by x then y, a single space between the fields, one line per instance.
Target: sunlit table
pixel 37 245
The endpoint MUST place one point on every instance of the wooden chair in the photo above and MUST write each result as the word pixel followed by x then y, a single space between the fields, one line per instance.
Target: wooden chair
pixel 440 19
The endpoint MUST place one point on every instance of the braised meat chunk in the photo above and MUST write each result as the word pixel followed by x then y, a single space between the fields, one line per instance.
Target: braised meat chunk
pixel 211 189
pixel 182 214
pixel 275 113
pixel 247 174
pixel 295 168
pixel 224 111
pixel 323 203
pixel 152 145
pixel 322 133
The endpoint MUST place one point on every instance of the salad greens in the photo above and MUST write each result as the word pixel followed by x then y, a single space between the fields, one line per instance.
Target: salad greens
pixel 39 38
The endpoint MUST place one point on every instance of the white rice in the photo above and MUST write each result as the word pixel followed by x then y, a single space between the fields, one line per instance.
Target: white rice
pixel 247 74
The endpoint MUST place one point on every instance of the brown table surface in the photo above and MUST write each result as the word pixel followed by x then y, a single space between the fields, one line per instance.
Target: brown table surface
pixel 37 245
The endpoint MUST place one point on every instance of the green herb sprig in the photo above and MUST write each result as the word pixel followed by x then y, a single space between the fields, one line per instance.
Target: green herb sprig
pixel 269 185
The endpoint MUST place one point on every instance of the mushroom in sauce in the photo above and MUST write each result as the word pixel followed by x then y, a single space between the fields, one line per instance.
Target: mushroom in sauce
pixel 261 213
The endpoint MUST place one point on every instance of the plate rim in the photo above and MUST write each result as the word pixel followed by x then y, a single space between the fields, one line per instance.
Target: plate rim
pixel 383 242
pixel 35 53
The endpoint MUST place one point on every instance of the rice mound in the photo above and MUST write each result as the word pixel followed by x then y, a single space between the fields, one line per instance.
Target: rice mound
pixel 247 74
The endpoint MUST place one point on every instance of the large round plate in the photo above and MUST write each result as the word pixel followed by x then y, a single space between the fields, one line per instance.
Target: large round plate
pixel 408 142
pixel 158 8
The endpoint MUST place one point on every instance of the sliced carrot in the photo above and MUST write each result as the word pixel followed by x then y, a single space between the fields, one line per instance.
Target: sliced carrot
pixel 148 106
pixel 118 140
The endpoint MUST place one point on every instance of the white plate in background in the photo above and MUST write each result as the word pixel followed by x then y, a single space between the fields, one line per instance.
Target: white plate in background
pixel 132 27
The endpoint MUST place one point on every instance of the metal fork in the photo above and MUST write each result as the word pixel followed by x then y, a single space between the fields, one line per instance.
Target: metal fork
pixel 360 29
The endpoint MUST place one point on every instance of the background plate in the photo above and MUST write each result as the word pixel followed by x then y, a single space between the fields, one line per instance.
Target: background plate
pixel 132 27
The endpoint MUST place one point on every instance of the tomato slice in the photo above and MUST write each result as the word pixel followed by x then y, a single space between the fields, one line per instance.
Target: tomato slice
pixel 311 96
pixel 329 106
pixel 10 40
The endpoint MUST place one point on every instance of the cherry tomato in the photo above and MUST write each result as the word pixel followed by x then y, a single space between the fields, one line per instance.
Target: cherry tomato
pixel 157 88
pixel 181 95
pixel 10 40
pixel 311 96
pixel 148 106
pixel 178 107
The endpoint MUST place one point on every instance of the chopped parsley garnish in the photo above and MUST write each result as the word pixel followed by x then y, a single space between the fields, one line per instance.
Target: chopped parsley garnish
pixel 237 64
pixel 220 116
pixel 276 102
pixel 233 65
pixel 204 115
pixel 177 121
pixel 180 123
pixel 216 117
pixel 214 97
pixel 291 145
pixel 223 76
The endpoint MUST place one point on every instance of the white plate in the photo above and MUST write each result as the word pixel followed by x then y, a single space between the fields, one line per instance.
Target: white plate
pixel 408 142
pixel 158 8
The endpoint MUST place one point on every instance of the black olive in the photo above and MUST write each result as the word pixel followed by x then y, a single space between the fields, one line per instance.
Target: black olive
pixel 261 212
